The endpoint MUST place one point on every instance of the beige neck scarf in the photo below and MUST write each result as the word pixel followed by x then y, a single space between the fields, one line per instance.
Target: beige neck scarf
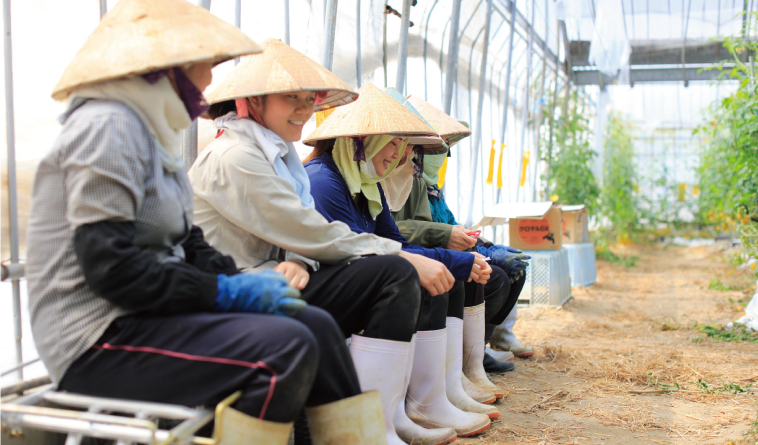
pixel 157 105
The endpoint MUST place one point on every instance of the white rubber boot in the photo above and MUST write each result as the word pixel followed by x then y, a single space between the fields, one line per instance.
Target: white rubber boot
pixel 408 431
pixel 504 338
pixel 454 373
pixel 473 349
pixel 380 365
pixel 426 402
pixel 479 394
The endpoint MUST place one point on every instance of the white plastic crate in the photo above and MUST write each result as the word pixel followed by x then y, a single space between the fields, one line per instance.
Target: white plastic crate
pixel 547 279
pixel 582 267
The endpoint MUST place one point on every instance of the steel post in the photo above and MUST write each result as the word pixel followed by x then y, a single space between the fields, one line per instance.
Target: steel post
pixel 330 27
pixel 402 47
pixel 452 57
pixel 479 108
pixel 525 105
pixel 358 56
pixel 103 7
pixel 238 21
pixel 189 134
pixel 12 197
pixel 549 156
pixel 426 41
pixel 286 21
pixel 504 127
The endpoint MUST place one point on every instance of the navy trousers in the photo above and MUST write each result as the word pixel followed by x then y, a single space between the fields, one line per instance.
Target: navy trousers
pixel 279 363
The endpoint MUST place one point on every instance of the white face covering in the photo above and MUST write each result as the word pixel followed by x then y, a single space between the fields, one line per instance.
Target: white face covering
pixel 367 168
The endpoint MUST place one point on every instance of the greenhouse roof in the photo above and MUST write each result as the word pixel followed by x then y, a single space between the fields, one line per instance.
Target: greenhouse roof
pixel 670 40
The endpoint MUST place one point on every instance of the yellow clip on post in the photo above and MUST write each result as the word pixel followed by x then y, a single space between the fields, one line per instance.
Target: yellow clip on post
pixel 524 164
pixel 500 167
pixel 682 191
pixel 491 169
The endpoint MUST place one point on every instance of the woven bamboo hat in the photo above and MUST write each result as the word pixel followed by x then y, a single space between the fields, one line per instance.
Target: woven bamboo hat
pixel 140 36
pixel 448 128
pixel 425 141
pixel 374 112
pixel 282 69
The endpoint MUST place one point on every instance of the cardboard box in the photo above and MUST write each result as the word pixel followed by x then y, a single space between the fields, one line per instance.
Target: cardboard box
pixel 575 229
pixel 535 226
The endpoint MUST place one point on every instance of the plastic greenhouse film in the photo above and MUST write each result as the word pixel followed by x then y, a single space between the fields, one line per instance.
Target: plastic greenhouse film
pixel 610 48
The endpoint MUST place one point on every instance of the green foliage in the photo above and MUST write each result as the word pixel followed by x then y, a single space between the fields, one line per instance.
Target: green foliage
pixel 738 333
pixel 571 178
pixel 604 253
pixel 728 172
pixel 618 202
pixel 716 284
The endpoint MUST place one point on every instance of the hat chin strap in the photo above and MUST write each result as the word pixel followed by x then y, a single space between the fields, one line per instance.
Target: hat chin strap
pixel 245 109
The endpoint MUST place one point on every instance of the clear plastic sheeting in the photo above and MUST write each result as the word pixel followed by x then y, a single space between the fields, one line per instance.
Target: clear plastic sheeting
pixel 610 48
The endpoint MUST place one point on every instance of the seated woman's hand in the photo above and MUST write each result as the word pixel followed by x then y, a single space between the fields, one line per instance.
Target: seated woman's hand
pixel 459 240
pixel 432 274
pixel 295 272
pixel 481 270
pixel 265 292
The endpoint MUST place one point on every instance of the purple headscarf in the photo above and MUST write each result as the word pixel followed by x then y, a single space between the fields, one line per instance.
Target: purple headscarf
pixel 191 96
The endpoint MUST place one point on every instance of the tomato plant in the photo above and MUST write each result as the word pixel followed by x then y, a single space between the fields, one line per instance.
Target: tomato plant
pixel 728 171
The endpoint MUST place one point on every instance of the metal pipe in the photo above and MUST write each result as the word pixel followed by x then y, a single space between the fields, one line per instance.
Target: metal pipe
pixel 286 21
pixel 189 145
pixel 330 27
pixel 426 41
pixel 525 111
pixel 238 21
pixel 189 134
pixel 479 108
pixel 384 42
pixel 23 365
pixel 442 56
pixel 504 126
pixel 358 56
pixel 452 57
pixel 103 7
pixel 12 185
pixel 402 47
pixel 21 386
pixel 549 156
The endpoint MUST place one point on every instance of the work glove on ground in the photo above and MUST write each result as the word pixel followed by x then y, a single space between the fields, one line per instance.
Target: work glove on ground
pixel 266 292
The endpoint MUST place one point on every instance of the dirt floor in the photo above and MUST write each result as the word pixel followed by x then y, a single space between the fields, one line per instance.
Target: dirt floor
pixel 601 357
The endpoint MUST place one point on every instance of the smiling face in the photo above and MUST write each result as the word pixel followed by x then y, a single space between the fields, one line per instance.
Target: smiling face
pixel 286 113
pixel 386 156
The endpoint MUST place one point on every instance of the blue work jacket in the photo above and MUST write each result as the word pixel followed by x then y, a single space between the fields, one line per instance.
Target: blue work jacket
pixel 334 201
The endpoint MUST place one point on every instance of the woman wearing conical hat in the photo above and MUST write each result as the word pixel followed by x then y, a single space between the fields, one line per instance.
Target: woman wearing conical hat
pixel 253 201
pixel 406 192
pixel 429 228
pixel 357 146
pixel 126 298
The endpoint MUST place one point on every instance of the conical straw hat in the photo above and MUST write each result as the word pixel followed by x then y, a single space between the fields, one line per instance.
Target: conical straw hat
pixel 374 112
pixel 448 128
pixel 282 69
pixel 426 141
pixel 140 36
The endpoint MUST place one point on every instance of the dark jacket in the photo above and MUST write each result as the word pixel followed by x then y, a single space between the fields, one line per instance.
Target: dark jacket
pixel 334 201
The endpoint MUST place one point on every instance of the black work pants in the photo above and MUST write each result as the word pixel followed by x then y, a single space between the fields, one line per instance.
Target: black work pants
pixel 502 300
pixel 379 295
pixel 279 363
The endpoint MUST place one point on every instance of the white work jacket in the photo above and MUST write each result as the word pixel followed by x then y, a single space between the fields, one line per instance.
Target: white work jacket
pixel 249 212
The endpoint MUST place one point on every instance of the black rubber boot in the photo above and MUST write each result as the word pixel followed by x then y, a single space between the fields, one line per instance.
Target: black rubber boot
pixel 493 366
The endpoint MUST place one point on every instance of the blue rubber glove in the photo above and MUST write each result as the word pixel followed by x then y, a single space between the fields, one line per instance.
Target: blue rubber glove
pixel 507 258
pixel 266 292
